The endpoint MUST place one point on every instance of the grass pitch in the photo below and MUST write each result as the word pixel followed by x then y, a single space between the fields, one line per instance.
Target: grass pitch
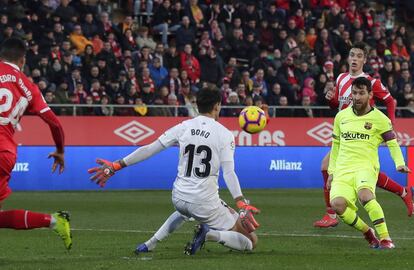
pixel 107 225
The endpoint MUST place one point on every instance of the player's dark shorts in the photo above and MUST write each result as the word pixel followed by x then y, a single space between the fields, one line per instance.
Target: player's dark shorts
pixel 7 161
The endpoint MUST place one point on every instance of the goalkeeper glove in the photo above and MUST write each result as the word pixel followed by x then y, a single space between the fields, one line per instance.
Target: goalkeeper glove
pixel 246 214
pixel 105 171
pixel 244 204
pixel 248 221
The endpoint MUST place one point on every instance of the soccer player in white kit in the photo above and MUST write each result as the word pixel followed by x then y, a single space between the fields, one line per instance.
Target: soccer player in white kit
pixel 205 146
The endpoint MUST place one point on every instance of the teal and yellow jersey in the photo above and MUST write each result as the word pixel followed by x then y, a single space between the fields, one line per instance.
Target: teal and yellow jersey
pixel 356 140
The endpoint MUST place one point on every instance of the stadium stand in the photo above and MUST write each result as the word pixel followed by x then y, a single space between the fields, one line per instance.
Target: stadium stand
pixel 160 52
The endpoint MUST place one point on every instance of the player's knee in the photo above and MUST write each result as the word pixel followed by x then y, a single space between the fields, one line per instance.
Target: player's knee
pixel 365 195
pixel 339 205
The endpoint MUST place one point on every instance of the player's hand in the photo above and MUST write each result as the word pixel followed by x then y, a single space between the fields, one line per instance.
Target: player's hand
pixel 403 169
pixel 59 161
pixel 244 204
pixel 104 172
pixel 329 94
pixel 248 221
pixel 329 182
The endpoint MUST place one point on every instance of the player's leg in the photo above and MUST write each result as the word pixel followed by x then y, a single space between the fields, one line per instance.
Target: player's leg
pixel 221 224
pixel 173 222
pixel 405 193
pixel 365 184
pixel 24 219
pixel 329 219
pixel 343 198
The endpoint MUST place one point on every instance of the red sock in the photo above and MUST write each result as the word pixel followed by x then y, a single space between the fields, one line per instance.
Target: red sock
pixel 387 183
pixel 23 220
pixel 329 210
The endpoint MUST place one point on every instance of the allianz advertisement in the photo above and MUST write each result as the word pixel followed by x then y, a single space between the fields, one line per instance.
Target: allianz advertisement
pixel 256 167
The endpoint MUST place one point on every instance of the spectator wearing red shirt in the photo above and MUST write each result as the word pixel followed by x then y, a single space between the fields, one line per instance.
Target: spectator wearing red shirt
pixel 399 51
pixel 190 64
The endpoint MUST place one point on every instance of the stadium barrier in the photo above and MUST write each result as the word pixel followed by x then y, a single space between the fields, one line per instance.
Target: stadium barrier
pixel 274 111
pixel 260 161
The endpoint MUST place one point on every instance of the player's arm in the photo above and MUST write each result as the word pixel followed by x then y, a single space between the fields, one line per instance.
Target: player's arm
pixel 381 93
pixel 58 137
pixel 332 96
pixel 394 148
pixel 335 145
pixel 247 211
pixel 107 168
pixel 38 105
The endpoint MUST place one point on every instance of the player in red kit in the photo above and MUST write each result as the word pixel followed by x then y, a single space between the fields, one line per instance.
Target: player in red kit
pixel 17 95
pixel 340 98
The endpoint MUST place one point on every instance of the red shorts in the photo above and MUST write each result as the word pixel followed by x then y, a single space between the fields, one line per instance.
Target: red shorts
pixel 7 161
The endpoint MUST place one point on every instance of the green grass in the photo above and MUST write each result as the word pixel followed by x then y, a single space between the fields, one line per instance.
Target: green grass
pixel 108 225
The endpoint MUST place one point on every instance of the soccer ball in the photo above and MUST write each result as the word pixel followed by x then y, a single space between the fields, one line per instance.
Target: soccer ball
pixel 252 119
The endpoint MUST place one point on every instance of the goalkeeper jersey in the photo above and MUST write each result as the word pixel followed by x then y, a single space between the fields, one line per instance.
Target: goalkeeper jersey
pixel 204 144
pixel 359 138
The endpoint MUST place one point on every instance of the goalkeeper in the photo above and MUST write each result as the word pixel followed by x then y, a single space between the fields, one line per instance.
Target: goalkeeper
pixel 205 146
pixel 354 165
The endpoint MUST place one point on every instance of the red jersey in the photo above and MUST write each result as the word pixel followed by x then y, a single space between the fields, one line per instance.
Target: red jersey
pixel 343 96
pixel 17 94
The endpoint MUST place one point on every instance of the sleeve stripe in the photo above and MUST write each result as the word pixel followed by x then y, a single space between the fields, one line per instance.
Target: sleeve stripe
pixel 386 96
pixel 388 136
pixel 45 110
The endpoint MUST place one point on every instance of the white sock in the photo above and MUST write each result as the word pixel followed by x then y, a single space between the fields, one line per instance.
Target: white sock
pixel 173 222
pixel 332 215
pixel 52 222
pixel 231 239
pixel 404 193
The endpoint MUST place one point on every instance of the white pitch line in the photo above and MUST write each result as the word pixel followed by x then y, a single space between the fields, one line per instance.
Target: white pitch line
pixel 259 234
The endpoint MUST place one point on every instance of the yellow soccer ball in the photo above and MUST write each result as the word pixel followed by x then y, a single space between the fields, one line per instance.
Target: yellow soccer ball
pixel 252 119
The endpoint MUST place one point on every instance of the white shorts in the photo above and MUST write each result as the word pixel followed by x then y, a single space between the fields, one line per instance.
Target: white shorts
pixel 216 214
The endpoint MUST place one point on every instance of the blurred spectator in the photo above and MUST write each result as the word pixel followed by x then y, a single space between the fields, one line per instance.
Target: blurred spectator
pixel 87 111
pixel 274 95
pixel 78 39
pixel 399 51
pixel 143 39
pixel 285 111
pixel 309 91
pixel 147 95
pixel 190 64
pixel 157 72
pixel 172 58
pixel 172 81
pixel 89 27
pixel 51 99
pixel 122 111
pixel 406 95
pixel 306 111
pixel 209 43
pixel 185 34
pixel 409 113
pixel 210 68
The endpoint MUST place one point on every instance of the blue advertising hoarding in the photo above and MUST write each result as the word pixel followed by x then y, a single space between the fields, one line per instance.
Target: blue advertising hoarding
pixel 256 167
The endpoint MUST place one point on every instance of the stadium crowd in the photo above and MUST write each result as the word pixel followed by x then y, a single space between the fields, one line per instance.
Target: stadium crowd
pixel 155 52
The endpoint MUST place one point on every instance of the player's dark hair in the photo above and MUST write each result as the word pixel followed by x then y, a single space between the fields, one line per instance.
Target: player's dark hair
pixel 362 46
pixel 207 98
pixel 12 49
pixel 360 82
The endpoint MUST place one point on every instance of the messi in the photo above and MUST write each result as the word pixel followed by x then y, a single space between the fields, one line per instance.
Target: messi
pixel 354 136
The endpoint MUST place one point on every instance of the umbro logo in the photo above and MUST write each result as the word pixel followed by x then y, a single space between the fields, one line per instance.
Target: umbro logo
pixel 134 132
pixel 321 133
